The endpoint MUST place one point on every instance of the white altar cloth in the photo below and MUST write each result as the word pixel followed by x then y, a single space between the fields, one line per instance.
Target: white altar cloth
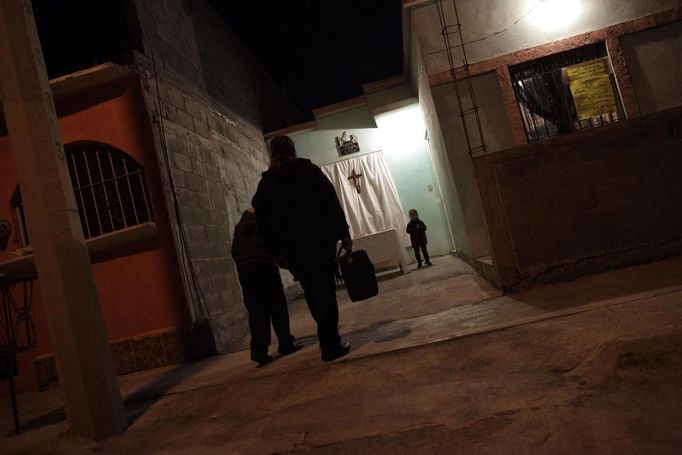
pixel 384 249
pixel 377 207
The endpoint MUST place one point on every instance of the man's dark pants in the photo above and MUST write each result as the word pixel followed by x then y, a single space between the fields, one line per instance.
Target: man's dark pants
pixel 315 271
pixel 265 301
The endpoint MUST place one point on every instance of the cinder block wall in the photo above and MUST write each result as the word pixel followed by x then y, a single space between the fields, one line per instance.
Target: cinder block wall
pixel 586 202
pixel 216 160
pixel 203 92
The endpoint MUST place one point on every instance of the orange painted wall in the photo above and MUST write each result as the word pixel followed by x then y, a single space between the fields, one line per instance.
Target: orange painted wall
pixel 140 289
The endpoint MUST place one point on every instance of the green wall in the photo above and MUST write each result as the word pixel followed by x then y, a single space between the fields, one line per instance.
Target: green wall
pixel 408 160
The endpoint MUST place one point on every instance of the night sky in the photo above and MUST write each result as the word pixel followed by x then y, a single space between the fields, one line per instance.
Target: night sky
pixel 79 34
pixel 322 50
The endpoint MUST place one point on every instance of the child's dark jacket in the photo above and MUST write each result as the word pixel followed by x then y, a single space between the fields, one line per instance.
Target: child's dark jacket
pixel 248 245
pixel 417 231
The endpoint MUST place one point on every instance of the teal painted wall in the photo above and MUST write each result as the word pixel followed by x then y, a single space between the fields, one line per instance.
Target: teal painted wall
pixel 408 159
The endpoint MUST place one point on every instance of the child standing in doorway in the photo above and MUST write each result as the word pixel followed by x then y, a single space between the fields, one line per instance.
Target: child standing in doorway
pixel 417 230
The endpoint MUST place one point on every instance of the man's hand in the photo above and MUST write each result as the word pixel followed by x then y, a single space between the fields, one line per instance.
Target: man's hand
pixel 281 262
pixel 347 243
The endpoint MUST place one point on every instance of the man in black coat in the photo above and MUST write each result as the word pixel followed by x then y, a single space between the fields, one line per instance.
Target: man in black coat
pixel 301 220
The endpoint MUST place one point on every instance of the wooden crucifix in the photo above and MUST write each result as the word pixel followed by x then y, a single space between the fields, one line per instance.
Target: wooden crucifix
pixel 355 177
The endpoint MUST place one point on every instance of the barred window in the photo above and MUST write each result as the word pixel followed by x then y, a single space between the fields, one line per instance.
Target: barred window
pixel 110 188
pixel 20 217
pixel 545 99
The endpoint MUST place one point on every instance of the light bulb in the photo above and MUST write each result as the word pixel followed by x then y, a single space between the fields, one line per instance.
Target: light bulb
pixel 554 14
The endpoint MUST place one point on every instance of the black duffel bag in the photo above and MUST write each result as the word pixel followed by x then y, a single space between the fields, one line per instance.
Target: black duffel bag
pixel 357 272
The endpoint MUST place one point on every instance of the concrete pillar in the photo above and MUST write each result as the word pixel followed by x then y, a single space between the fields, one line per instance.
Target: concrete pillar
pixel 93 400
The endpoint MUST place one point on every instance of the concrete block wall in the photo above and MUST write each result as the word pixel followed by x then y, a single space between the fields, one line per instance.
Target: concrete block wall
pixel 585 202
pixel 208 101
pixel 216 159
pixel 167 34
pixel 190 39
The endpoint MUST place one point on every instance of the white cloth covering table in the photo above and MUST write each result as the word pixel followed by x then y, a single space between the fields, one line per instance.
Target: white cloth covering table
pixel 384 249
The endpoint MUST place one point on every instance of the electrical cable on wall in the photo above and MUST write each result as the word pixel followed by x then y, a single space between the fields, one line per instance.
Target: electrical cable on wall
pixel 491 35
pixel 189 272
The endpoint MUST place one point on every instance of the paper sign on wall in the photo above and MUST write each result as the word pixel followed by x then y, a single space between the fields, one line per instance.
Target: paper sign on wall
pixel 591 88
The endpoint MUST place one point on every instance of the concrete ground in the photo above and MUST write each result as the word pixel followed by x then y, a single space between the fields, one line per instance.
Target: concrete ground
pixel 442 363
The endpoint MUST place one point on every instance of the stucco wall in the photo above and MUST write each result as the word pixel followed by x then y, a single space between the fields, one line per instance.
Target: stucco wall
pixel 655 63
pixel 491 29
pixel 494 122
pixel 139 288
pixel 497 136
pixel 438 150
pixel 410 165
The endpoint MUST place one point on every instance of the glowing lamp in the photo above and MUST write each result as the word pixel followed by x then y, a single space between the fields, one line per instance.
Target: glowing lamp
pixel 403 128
pixel 554 14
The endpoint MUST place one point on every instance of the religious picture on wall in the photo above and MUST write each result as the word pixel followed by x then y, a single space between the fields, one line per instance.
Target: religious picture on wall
pixel 347 145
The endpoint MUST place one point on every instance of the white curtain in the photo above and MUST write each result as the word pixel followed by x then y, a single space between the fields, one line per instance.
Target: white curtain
pixel 377 207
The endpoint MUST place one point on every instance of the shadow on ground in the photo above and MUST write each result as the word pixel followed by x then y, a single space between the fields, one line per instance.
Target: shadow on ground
pixel 628 283
pixel 136 403
pixel 378 332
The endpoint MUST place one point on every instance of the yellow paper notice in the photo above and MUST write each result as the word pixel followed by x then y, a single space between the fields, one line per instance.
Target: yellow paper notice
pixel 591 88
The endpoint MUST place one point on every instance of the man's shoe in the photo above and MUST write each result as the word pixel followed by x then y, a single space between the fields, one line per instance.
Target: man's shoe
pixel 419 266
pixel 428 264
pixel 290 348
pixel 261 359
pixel 332 354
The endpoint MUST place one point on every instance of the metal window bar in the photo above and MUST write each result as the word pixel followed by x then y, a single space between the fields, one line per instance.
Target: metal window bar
pixel 110 197
pixel 113 196
pixel 23 227
pixel 130 189
pixel 92 192
pixel 80 197
pixel 18 316
pixel 17 204
pixel 461 73
pixel 17 332
pixel 144 194
pixel 545 101
pixel 105 192
pixel 118 191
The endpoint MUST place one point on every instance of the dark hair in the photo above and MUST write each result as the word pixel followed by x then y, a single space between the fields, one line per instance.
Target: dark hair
pixel 413 211
pixel 282 145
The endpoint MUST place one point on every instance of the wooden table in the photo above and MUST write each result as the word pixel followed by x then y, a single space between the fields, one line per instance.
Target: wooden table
pixel 384 249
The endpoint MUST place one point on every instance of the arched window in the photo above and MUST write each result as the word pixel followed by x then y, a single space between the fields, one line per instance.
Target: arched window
pixel 110 188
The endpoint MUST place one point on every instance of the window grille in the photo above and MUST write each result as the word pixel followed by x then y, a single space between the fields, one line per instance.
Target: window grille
pixel 18 206
pixel 544 97
pixel 110 188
